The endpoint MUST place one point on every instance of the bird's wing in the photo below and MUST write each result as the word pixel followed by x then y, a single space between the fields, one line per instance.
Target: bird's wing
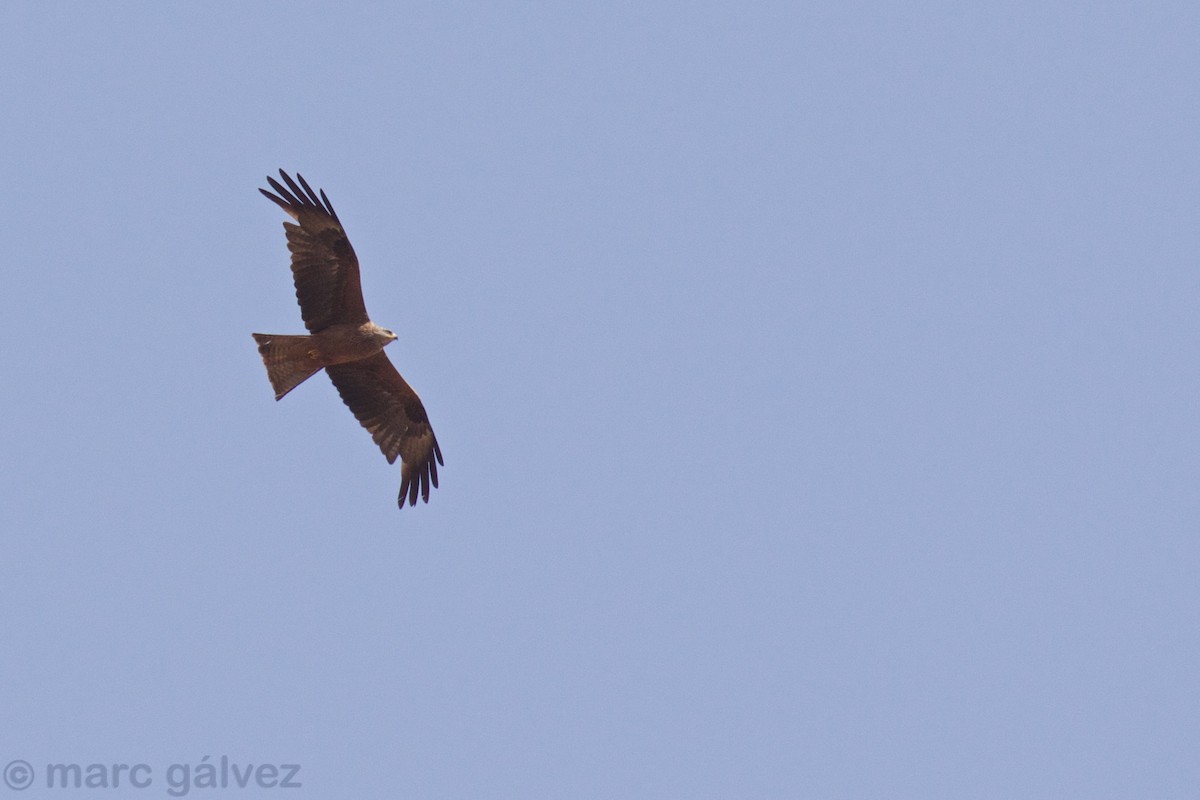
pixel 392 413
pixel 324 267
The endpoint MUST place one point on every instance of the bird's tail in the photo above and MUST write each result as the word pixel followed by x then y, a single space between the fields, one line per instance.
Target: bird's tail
pixel 290 360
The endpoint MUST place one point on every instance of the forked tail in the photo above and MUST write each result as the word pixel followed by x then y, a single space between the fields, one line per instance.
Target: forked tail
pixel 290 360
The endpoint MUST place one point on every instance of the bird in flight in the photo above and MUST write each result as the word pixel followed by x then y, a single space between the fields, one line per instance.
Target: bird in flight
pixel 343 340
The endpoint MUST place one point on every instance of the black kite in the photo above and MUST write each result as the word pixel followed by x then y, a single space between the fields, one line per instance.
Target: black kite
pixel 344 341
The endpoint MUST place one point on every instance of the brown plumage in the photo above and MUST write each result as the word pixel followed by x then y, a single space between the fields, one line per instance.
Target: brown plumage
pixel 344 342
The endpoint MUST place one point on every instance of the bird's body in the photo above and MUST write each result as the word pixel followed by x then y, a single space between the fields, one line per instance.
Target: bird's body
pixel 291 359
pixel 343 340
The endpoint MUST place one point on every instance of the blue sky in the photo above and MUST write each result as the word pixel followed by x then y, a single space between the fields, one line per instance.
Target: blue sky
pixel 817 385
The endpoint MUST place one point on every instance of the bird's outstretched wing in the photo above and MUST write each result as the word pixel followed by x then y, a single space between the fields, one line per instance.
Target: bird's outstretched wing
pixel 392 413
pixel 324 267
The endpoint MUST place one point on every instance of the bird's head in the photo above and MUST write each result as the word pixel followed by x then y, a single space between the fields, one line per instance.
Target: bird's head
pixel 379 334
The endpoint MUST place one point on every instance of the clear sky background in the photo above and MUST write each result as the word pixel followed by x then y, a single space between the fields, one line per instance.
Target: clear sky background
pixel 817 383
